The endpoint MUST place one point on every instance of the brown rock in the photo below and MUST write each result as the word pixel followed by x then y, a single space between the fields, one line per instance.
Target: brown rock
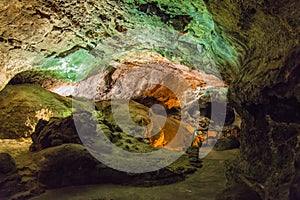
pixel 53 133
pixel 7 164
pixel 72 164
pixel 9 177
pixel 147 75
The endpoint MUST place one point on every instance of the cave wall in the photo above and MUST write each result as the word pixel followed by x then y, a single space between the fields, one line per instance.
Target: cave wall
pixel 261 66
pixel 32 31
pixel 266 91
pixel 61 36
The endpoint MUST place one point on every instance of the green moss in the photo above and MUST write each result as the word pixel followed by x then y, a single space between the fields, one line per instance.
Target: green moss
pixel 201 26
pixel 180 30
pixel 21 106
pixel 72 67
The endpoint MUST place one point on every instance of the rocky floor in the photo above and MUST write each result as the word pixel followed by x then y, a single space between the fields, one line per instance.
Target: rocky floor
pixel 54 167
pixel 202 185
pixel 19 150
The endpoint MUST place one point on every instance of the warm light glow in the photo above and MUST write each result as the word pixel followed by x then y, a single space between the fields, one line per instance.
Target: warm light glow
pixel 172 135
pixel 160 142
pixel 198 140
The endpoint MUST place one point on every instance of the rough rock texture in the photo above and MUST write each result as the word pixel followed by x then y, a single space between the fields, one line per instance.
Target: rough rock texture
pixel 265 90
pixel 25 184
pixel 143 75
pixel 9 177
pixel 35 29
pixel 21 106
pixel 60 36
pixel 54 132
pixel 160 131
pixel 122 131
pixel 151 79
pixel 264 86
pixel 72 164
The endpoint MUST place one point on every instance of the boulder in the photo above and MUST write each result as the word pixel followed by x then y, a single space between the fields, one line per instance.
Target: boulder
pixel 7 164
pixel 227 143
pixel 72 164
pixel 9 177
pixel 59 131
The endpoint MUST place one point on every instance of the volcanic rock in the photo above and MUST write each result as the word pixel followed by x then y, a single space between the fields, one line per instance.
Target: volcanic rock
pixel 146 75
pixel 9 177
pixel 21 107
pixel 72 164
pixel 227 143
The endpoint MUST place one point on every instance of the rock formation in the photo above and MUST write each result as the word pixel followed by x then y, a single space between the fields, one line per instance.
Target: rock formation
pixel 9 177
pixel 23 105
pixel 265 90
pixel 253 45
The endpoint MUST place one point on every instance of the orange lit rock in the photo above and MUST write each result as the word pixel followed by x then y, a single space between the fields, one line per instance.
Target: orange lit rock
pixel 160 141
pixel 162 131
pixel 231 131
pixel 149 78
pixel 163 94
pixel 142 75
pixel 198 140
pixel 212 134
pixel 173 135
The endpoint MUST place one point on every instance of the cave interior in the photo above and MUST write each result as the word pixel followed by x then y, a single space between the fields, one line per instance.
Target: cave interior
pixel 150 99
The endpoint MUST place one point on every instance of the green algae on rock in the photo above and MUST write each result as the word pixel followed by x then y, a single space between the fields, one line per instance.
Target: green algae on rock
pixel 23 105
pixel 62 40
pixel 195 20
